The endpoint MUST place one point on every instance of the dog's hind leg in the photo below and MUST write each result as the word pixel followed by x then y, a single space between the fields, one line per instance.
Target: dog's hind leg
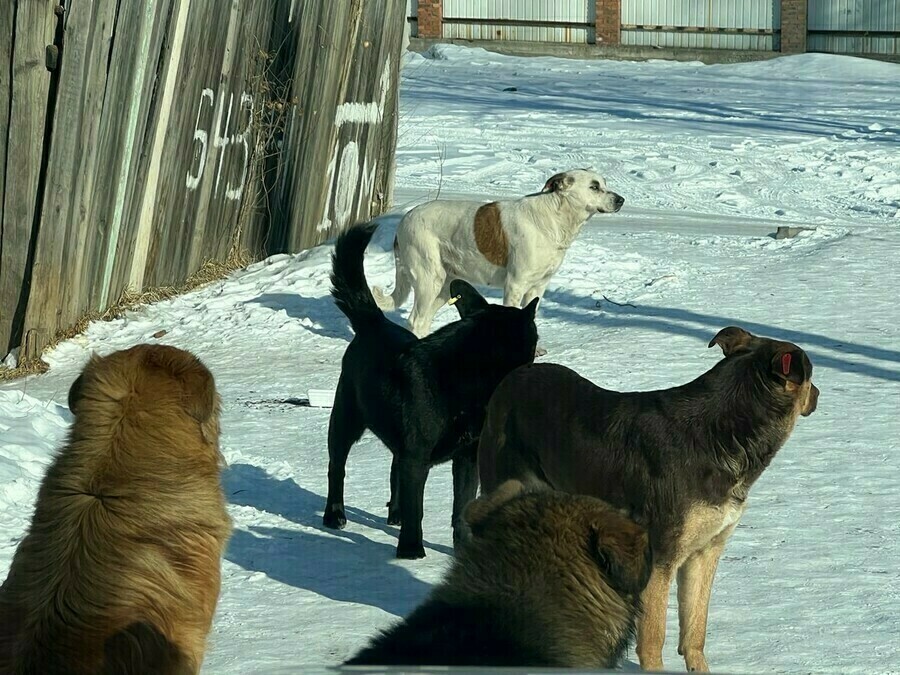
pixel 413 474
pixel 394 504
pixel 344 428
pixel 513 293
pixel 402 285
pixel 465 488
pixel 651 633
pixel 536 291
pixel 695 580
pixel 431 295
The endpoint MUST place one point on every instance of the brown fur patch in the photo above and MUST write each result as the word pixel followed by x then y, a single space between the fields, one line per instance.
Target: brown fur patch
pixel 122 558
pixel 489 235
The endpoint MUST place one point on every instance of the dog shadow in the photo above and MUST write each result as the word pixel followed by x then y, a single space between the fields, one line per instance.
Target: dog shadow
pixel 824 350
pixel 323 316
pixel 341 565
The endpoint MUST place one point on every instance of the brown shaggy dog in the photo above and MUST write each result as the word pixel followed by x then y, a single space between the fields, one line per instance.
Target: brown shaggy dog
pixel 119 572
pixel 548 579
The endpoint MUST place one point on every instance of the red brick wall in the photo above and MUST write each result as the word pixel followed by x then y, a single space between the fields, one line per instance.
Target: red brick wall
pixel 608 21
pixel 430 18
pixel 793 26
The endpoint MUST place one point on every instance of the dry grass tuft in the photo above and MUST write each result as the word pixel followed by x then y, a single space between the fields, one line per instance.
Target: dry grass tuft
pixel 32 367
pixel 129 300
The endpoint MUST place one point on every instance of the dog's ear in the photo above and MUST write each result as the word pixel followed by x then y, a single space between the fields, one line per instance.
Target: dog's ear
pixel 479 509
pixel 142 648
pixel 77 389
pixel 197 385
pixel 75 393
pixel 559 182
pixel 531 308
pixel 791 363
pixel 732 340
pixel 621 549
pixel 465 298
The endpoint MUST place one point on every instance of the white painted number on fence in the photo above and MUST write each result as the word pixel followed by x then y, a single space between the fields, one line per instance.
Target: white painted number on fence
pixel 346 161
pixel 222 140
pixel 201 137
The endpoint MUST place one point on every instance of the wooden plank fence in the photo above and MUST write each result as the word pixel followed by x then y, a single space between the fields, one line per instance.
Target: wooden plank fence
pixel 140 139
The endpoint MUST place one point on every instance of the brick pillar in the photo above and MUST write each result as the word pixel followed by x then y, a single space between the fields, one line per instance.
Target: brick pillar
pixel 793 26
pixel 430 18
pixel 608 21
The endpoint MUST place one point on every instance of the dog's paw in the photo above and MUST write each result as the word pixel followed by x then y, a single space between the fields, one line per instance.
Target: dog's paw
pixel 410 551
pixel 539 351
pixel 394 518
pixel 335 519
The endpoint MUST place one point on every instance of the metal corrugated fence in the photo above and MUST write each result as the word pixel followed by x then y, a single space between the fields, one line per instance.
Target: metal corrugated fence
pixel 716 24
pixel 854 26
pixel 532 20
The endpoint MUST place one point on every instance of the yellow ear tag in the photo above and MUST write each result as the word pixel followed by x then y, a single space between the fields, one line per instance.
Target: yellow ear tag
pixel 452 301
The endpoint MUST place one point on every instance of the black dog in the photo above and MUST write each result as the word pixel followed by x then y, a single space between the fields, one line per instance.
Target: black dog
pixel 680 460
pixel 424 399
pixel 547 579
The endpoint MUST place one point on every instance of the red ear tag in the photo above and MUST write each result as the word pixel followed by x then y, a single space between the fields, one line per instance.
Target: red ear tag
pixel 786 364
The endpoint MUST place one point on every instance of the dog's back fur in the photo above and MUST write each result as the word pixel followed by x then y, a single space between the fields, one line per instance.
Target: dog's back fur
pixel 548 579
pixel 119 571
pixel 424 399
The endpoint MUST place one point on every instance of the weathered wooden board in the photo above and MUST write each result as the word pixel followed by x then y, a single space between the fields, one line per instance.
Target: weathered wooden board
pixel 340 119
pixel 126 128
pixel 64 233
pixel 207 156
pixel 183 129
pixel 34 30
pixel 7 24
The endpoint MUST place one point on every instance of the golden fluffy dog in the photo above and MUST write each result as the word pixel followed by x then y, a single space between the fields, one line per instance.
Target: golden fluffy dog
pixel 119 572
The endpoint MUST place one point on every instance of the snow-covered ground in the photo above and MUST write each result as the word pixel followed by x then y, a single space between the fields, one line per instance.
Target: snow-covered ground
pixel 710 160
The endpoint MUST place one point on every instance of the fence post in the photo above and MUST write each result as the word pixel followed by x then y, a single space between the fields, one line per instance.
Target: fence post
pixel 608 21
pixel 793 26
pixel 430 18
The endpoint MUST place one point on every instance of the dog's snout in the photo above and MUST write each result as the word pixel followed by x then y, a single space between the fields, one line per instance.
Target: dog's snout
pixel 618 200
pixel 813 401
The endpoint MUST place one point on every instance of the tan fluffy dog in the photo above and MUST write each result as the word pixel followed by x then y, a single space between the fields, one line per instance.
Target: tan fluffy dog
pixel 119 572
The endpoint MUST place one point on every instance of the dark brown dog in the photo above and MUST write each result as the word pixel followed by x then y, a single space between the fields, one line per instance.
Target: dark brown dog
pixel 680 460
pixel 548 579
pixel 119 572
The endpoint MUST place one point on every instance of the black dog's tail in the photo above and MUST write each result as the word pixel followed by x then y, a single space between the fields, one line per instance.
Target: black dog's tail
pixel 350 289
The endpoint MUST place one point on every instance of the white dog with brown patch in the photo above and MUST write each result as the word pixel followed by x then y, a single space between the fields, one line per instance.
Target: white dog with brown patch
pixel 516 245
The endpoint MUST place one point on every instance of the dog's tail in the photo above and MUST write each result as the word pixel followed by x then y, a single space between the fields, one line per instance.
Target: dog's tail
pixel 348 277
pixel 402 285
pixel 141 648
